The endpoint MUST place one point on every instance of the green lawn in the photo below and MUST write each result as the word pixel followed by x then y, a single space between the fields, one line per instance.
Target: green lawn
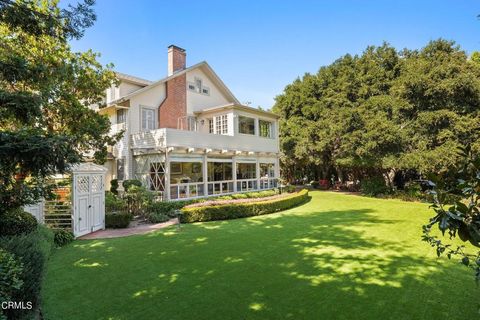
pixel 336 257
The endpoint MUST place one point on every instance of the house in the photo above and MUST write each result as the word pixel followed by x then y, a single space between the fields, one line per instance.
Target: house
pixel 187 136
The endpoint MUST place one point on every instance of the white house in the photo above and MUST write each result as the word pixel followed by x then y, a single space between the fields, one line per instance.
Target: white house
pixel 187 135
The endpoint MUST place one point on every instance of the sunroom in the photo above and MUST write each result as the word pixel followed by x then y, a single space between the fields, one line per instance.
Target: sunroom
pixel 177 177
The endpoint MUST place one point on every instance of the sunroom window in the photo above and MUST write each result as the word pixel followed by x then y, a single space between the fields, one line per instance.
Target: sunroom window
pixel 265 128
pixel 246 125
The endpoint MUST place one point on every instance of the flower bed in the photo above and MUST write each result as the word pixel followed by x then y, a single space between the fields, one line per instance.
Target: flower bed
pixel 234 209
pixel 235 201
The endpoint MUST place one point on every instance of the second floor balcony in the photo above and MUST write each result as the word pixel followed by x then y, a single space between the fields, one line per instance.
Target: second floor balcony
pixel 166 137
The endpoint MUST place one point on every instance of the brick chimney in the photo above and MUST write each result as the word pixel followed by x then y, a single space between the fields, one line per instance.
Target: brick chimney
pixel 175 104
pixel 176 59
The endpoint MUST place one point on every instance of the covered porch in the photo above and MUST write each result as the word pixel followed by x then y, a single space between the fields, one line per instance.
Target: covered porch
pixel 187 175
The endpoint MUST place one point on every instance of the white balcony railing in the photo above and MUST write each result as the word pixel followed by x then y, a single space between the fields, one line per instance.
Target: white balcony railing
pixel 186 190
pixel 161 138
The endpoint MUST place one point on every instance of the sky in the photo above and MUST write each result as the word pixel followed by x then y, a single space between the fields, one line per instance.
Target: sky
pixel 258 47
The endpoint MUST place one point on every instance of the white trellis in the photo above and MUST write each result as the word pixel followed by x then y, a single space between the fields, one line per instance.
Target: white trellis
pixel 88 201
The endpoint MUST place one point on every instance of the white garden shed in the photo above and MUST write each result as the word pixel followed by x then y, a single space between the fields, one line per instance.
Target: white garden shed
pixel 88 198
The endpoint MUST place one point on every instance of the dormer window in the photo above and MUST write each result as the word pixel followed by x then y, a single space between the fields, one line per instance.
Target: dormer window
pixel 198 87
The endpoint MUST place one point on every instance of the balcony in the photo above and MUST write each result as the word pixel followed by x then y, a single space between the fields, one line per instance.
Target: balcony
pixel 165 137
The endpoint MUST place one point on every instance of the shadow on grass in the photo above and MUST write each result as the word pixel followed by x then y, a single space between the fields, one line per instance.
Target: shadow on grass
pixel 298 265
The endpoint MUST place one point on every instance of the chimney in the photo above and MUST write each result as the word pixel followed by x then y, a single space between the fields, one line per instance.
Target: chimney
pixel 176 59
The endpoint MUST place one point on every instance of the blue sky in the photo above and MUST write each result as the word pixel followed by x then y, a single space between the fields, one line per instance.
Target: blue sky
pixel 258 47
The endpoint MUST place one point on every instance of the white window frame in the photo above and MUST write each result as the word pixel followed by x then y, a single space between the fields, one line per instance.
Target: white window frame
pixel 255 130
pixel 221 124
pixel 270 136
pixel 153 124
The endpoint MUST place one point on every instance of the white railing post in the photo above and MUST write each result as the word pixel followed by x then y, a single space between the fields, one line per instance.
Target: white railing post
pixel 234 173
pixel 205 175
pixel 167 175
pixel 257 172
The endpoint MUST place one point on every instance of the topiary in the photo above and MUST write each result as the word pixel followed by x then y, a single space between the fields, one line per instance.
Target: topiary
pixel 129 183
pixel 16 222
pixel 117 220
pixel 62 237
pixel 114 186
pixel 157 217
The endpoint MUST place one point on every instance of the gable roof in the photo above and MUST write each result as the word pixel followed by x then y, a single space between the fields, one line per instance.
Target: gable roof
pixel 133 79
pixel 238 106
pixel 204 66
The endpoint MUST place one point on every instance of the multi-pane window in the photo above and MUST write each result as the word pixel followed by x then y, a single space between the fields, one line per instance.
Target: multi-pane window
pixel 246 125
pixel 198 87
pixel 148 119
pixel 219 171
pixel 210 125
pixel 121 115
pixel 246 171
pixel 265 128
pixel 267 170
pixel 121 169
pixel 221 124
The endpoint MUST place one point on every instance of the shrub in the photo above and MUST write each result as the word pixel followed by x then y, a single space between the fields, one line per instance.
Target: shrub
pixel 16 222
pixel 117 219
pixel 114 203
pixel 289 189
pixel 10 277
pixel 374 186
pixel 32 250
pixel 315 184
pixel 130 183
pixel 156 217
pixel 62 237
pixel 240 210
pixel 168 207
pixel 114 186
pixel 137 200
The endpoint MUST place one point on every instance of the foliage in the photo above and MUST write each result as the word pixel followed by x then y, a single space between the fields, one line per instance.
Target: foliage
pixel 374 186
pixel 114 203
pixel 315 184
pixel 117 219
pixel 17 221
pixel 461 219
pixel 381 111
pixel 241 210
pixel 137 199
pixel 32 250
pixel 156 217
pixel 127 184
pixel 10 277
pixel 114 186
pixel 62 237
pixel 167 208
pixel 46 90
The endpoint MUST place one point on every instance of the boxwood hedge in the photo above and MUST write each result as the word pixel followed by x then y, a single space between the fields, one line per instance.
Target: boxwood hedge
pixel 241 210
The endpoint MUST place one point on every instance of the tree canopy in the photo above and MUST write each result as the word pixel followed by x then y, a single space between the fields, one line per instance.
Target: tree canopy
pixel 380 111
pixel 45 93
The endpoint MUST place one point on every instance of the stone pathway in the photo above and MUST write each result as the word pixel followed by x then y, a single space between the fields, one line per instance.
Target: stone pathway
pixel 137 229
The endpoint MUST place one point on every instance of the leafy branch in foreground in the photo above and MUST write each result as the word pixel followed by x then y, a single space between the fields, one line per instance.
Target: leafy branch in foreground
pixel 462 218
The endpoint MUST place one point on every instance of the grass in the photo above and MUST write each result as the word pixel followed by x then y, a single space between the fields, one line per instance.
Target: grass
pixel 336 257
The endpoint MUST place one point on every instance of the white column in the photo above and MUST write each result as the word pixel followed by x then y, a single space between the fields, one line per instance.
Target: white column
pixel 257 172
pixel 234 173
pixel 167 175
pixel 205 175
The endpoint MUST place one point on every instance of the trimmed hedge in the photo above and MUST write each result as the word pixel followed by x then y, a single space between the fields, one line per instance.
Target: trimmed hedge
pixel 117 220
pixel 241 210
pixel 16 222
pixel 32 251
